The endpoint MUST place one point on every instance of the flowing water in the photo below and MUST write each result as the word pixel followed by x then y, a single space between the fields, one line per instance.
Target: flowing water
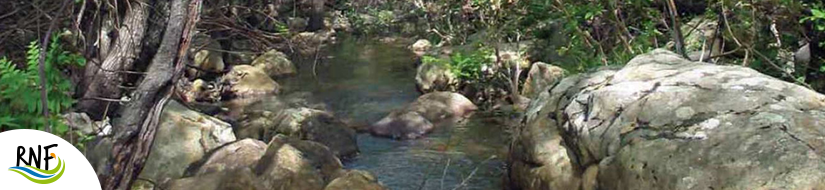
pixel 363 80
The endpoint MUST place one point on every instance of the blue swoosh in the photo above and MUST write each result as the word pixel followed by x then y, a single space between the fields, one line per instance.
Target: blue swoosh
pixel 30 172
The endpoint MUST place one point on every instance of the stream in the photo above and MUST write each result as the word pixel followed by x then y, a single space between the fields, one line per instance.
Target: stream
pixel 363 80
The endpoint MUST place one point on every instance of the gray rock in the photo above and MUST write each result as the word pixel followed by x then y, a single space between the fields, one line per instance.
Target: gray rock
pixel 662 122
pixel 183 137
pixel 802 57
pixel 290 163
pixel 432 77
pixel 421 116
pixel 249 81
pixel 275 64
pixel 239 154
pixel 273 116
pixel 402 125
pixel 81 122
pixel 541 77
pixel 421 47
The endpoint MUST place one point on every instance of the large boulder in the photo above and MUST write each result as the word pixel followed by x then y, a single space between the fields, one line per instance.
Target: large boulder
pixel 538 158
pixel 239 154
pixel 275 64
pixel 541 77
pixel 290 163
pixel 432 76
pixel 287 163
pixel 420 117
pixel 249 81
pixel 183 137
pixel 663 122
pixel 273 116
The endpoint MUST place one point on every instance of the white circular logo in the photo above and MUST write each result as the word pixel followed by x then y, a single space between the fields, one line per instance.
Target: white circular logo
pixel 39 160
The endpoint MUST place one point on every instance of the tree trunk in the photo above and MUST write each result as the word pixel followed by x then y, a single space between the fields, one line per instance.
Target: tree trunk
pixel 105 79
pixel 316 17
pixel 814 75
pixel 676 30
pixel 135 131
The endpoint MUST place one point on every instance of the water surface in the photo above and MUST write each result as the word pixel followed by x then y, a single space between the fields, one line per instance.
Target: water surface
pixel 363 80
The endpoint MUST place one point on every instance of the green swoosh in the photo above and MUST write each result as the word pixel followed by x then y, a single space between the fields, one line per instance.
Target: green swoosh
pixel 52 171
pixel 44 181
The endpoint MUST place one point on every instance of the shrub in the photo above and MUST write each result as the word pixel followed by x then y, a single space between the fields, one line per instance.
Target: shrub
pixel 465 66
pixel 20 89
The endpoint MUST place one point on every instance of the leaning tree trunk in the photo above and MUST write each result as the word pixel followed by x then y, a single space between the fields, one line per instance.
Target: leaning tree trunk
pixel 106 77
pixel 135 131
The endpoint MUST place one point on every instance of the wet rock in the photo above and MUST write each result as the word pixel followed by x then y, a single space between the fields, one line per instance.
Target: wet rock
pixel 421 116
pixel 296 164
pixel 273 116
pixel 663 122
pixel 442 106
pixel 541 77
pixel 248 81
pixel 432 77
pixel 402 125
pixel 183 137
pixel 275 64
pixel 239 154
pixel 421 47
pixel 355 179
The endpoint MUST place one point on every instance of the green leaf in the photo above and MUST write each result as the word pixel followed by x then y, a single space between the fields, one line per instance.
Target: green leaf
pixel 817 13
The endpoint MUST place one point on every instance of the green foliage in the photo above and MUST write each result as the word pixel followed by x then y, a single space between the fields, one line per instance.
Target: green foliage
pixel 469 67
pixel 20 89
pixel 817 17
pixel 465 66
pixel 372 20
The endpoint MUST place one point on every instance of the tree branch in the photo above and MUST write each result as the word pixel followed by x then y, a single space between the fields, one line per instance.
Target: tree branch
pixel 41 69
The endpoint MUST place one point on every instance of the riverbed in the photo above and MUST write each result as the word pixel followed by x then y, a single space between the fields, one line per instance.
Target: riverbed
pixel 362 80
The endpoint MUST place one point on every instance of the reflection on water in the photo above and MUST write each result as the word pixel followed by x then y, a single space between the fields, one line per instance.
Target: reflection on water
pixel 365 80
